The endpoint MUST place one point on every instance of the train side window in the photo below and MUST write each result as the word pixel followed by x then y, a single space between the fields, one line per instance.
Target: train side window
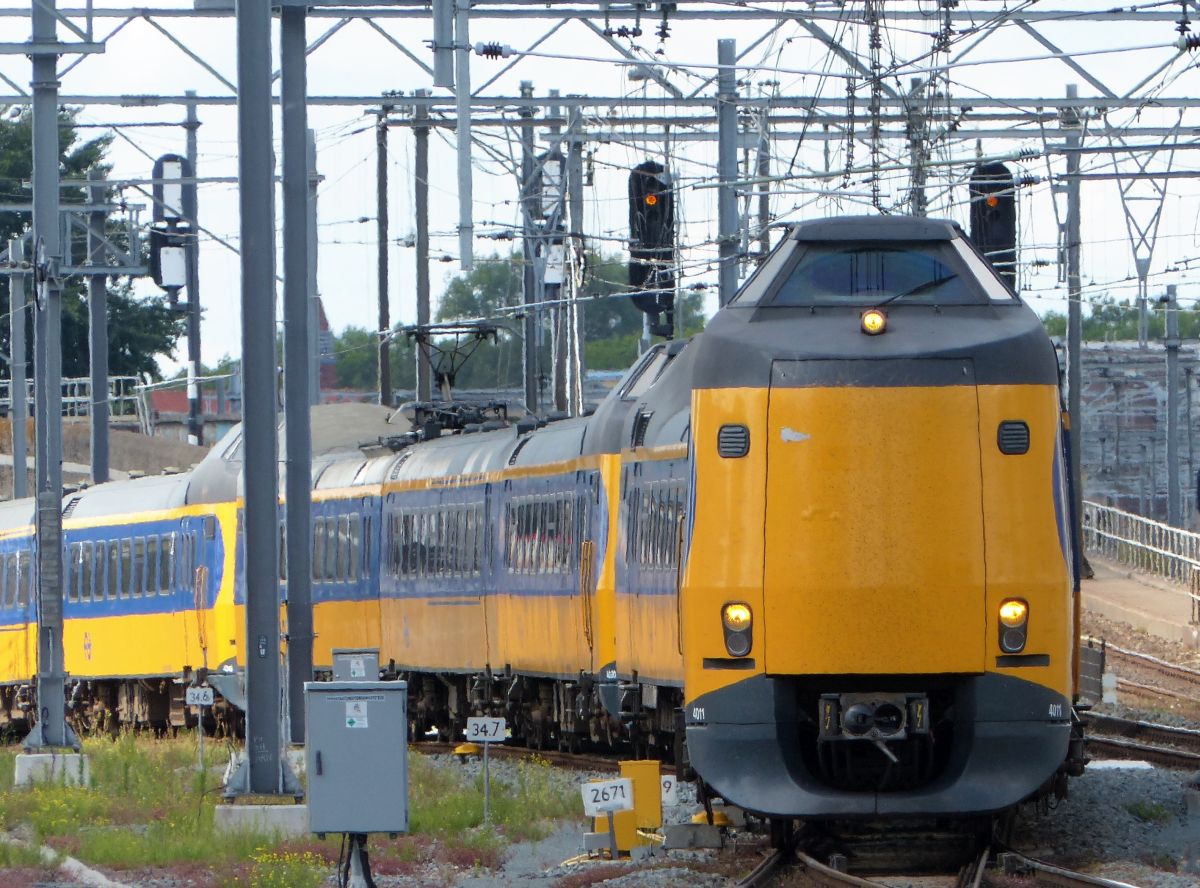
pixel 330 569
pixel 318 552
pixel 151 571
pixel 354 537
pixel 137 567
pixel 126 568
pixel 99 561
pixel 367 521
pixel 114 571
pixel 343 548
pixel 10 580
pixel 86 562
pixel 166 563
pixel 74 553
pixel 24 577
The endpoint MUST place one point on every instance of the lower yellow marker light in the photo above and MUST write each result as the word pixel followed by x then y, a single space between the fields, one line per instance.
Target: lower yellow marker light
pixel 874 321
pixel 1014 612
pixel 736 616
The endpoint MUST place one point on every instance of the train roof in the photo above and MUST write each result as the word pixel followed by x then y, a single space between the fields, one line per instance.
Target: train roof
pixel 16 514
pixel 128 497
pixel 876 228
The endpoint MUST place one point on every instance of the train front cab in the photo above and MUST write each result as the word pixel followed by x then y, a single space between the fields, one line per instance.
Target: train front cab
pixel 858 547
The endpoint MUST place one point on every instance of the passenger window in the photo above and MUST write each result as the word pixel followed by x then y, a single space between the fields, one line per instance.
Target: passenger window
pixel 138 568
pixel 126 568
pixel 318 552
pixel 10 580
pixel 365 563
pixel 151 568
pixel 330 568
pixel 24 578
pixel 86 561
pixel 114 573
pixel 166 563
pixel 99 559
pixel 354 531
pixel 283 553
pixel 74 556
pixel 343 548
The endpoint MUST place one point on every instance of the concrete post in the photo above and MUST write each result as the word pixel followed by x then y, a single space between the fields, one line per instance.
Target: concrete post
pixel 19 405
pixel 98 334
pixel 421 200
pixel 727 134
pixel 381 234
pixel 1174 505
pixel 529 254
pixel 256 198
pixel 1074 314
pixel 296 359
pixel 191 216
pixel 50 729
pixel 462 95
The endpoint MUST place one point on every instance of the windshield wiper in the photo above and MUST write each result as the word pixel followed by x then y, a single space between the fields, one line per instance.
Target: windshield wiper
pixel 920 288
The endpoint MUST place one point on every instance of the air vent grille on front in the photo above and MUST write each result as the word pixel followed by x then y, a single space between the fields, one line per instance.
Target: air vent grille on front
pixel 1013 437
pixel 733 441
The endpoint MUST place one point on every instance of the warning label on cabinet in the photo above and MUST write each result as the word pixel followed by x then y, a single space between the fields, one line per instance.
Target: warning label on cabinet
pixel 356 713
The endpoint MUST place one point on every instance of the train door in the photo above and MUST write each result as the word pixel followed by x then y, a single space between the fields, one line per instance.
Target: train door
pixel 587 508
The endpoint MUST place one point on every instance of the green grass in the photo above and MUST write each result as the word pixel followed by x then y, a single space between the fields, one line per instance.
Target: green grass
pixel 1150 812
pixel 148 808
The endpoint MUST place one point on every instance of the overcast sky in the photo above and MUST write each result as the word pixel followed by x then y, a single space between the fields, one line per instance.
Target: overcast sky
pixel 358 60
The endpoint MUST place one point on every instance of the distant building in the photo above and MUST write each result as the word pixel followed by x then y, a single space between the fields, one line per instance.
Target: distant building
pixel 1124 406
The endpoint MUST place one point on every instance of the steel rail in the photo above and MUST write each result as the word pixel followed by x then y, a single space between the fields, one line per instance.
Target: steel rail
pixel 1048 874
pixel 1174 670
pixel 1131 750
pixel 1184 738
pixel 767 869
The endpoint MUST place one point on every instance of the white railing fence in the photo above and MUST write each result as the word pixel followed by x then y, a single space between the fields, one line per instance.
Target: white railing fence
pixel 1144 544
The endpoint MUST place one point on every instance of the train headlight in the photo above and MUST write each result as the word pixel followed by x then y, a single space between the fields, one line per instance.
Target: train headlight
pixel 1014 625
pixel 736 619
pixel 874 321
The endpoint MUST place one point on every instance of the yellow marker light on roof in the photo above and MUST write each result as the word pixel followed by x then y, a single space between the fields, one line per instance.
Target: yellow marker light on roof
pixel 874 321
pixel 736 616
pixel 651 200
pixel 1013 612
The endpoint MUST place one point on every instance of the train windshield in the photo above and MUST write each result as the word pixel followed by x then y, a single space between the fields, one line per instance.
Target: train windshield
pixel 928 272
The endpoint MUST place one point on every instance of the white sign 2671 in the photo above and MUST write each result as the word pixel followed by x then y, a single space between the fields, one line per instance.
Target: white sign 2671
pixel 607 795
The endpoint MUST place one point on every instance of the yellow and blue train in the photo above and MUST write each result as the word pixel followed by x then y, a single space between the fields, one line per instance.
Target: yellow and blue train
pixel 823 552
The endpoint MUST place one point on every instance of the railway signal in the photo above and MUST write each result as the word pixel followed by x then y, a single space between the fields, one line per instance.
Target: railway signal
pixel 652 244
pixel 994 217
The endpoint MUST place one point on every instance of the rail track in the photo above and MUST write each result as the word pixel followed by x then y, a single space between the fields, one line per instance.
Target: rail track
pixel 1123 738
pixel 797 859
pixel 794 859
pixel 1173 671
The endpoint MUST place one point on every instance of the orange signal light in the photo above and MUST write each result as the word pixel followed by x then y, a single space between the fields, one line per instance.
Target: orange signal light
pixel 992 200
pixel 651 200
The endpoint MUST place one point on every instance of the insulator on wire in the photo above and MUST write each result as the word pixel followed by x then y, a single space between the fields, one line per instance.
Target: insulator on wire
pixel 493 50
pixel 1188 42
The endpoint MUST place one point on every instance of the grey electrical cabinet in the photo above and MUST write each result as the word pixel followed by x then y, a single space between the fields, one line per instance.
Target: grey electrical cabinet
pixel 356 756
pixel 356 664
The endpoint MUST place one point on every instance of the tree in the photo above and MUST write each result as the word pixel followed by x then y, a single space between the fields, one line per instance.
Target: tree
pixel 1110 320
pixel 140 329
pixel 356 353
pixel 612 325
